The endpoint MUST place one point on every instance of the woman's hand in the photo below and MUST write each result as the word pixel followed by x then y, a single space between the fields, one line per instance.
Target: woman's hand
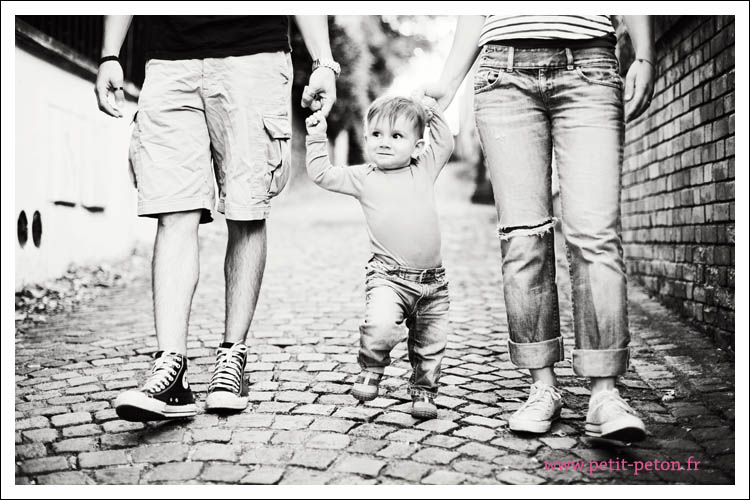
pixel 639 88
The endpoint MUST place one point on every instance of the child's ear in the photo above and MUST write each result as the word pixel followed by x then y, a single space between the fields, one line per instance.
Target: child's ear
pixel 419 147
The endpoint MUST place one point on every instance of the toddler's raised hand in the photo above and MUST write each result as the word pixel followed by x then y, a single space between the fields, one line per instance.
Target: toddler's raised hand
pixel 316 123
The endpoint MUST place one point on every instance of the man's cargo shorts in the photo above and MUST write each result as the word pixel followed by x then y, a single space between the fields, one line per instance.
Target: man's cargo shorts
pixel 201 120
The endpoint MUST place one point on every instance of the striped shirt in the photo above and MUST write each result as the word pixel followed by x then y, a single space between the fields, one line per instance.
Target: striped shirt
pixel 502 28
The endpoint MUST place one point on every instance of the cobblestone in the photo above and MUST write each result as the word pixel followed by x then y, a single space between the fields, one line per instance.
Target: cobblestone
pixel 444 477
pixel 101 459
pixel 359 465
pixel 67 419
pixel 303 426
pixel 41 435
pixel 75 445
pixel 266 455
pixel 263 475
pixel 160 453
pixel 223 473
pixel 174 472
pixel 81 431
pixel 436 456
pixel 329 441
pixel 214 451
pixel 314 459
pixel 410 471
pixel 43 465
pixel 71 477
pixel 33 450
pixel 32 423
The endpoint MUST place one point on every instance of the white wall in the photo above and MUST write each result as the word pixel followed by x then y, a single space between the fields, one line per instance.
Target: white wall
pixel 69 151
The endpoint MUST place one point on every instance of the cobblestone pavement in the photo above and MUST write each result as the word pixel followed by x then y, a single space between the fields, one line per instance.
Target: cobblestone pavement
pixel 304 428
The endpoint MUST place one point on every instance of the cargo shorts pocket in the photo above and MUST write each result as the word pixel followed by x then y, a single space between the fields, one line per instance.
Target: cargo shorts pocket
pixel 134 151
pixel 278 153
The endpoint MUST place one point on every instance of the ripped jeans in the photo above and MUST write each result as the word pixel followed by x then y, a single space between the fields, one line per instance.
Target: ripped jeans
pixel 529 102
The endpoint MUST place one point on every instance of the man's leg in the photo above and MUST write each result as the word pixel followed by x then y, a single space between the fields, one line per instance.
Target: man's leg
pixel 175 269
pixel 248 115
pixel 244 265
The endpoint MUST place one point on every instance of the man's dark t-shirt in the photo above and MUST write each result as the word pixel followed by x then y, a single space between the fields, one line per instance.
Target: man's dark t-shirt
pixel 199 37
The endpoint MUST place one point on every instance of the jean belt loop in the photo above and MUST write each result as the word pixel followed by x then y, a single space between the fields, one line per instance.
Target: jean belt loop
pixel 569 57
pixel 511 53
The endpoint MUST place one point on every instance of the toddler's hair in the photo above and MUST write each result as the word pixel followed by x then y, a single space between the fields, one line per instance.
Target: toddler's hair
pixel 390 108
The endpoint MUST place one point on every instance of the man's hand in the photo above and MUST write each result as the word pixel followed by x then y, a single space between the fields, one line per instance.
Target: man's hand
pixel 639 88
pixel 316 123
pixel 320 92
pixel 109 79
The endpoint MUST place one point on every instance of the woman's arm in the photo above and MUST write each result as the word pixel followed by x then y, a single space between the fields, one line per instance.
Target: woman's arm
pixel 460 59
pixel 639 82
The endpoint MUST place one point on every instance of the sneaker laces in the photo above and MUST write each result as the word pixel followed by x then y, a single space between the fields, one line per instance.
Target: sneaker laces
pixel 613 397
pixel 537 400
pixel 163 372
pixel 228 369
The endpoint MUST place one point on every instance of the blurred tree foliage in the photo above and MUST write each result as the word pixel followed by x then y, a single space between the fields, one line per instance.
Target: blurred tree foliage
pixel 370 50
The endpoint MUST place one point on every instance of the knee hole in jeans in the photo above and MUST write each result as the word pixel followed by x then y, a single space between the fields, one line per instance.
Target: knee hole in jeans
pixel 507 232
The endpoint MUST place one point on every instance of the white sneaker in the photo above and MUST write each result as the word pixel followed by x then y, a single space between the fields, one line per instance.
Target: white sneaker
pixel 610 417
pixel 536 414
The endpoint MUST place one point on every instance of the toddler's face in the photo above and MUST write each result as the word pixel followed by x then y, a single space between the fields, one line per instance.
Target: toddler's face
pixel 392 146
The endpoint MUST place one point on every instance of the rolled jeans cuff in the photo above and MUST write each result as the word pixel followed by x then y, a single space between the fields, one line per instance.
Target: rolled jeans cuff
pixel 600 362
pixel 536 354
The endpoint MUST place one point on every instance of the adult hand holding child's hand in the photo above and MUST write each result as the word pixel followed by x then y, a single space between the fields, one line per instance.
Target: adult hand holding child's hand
pixel 316 123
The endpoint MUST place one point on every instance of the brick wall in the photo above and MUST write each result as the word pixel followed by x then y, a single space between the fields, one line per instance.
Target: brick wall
pixel 678 176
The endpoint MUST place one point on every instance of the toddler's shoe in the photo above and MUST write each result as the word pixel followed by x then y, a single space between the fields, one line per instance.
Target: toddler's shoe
pixel 610 417
pixel 228 389
pixel 423 406
pixel 366 386
pixel 165 395
pixel 538 412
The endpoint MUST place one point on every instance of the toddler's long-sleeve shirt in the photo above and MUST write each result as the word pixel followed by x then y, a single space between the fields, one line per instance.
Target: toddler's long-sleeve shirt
pixel 398 204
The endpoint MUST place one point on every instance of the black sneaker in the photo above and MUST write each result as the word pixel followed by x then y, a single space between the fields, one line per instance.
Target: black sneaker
pixel 228 389
pixel 165 395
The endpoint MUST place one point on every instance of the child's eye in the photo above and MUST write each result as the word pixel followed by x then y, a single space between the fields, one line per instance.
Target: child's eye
pixel 376 134
pixel 397 136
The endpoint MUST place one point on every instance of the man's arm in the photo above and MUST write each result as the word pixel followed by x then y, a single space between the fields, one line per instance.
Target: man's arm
pixel 461 57
pixel 109 77
pixel 639 82
pixel 320 93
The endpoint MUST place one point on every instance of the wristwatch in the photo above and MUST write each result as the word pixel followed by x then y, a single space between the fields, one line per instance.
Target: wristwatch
pixel 327 63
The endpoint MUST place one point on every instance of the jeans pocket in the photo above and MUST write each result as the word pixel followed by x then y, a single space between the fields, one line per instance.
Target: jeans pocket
pixel 600 74
pixel 278 152
pixel 487 78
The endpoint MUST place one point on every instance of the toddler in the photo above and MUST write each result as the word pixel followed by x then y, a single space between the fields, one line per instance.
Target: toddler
pixel 405 280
